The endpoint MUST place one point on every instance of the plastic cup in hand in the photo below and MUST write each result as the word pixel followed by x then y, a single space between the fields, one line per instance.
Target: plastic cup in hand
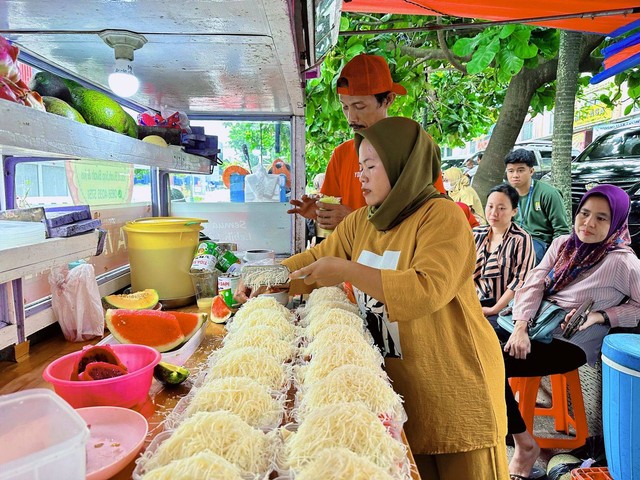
pixel 325 232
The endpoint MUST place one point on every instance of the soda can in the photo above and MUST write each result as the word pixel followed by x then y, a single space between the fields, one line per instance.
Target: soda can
pixel 227 285
pixel 226 260
pixel 206 257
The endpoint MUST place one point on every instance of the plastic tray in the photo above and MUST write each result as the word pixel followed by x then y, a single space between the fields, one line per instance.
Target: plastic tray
pixel 174 357
pixel 41 436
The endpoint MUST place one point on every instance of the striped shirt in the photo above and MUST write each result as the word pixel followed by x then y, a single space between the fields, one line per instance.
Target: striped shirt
pixel 504 268
pixel 608 283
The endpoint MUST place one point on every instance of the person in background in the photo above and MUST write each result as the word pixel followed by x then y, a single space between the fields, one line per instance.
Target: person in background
pixel 366 91
pixel 473 221
pixel 504 252
pixel 541 211
pixel 409 256
pixel 594 263
pixel 457 185
pixel 471 167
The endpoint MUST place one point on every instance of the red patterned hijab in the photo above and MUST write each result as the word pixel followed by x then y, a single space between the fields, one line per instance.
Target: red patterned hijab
pixel 575 257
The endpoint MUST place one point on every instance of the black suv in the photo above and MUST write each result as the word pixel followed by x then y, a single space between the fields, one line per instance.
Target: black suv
pixel 612 158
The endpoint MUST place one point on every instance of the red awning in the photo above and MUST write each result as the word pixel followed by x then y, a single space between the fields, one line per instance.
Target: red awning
pixel 500 10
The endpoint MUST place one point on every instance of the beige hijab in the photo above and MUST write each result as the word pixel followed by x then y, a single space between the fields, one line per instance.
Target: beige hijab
pixel 462 191
pixel 412 161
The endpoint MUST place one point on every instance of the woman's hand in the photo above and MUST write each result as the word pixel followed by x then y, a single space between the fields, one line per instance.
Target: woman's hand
pixel 243 293
pixel 326 271
pixel 593 318
pixel 519 343
pixel 488 311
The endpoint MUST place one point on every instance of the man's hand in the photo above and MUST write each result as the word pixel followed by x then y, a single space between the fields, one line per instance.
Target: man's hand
pixel 519 343
pixel 329 215
pixel 326 271
pixel 306 206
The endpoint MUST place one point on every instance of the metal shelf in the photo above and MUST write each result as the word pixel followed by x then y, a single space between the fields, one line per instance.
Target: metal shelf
pixel 18 262
pixel 27 132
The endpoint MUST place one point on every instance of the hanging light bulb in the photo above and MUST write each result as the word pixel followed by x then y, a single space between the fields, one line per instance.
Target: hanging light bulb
pixel 122 81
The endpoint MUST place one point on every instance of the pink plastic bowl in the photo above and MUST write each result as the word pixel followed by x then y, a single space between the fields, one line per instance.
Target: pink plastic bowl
pixel 125 391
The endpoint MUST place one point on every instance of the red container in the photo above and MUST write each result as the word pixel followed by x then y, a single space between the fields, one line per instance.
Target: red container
pixel 125 391
pixel 593 473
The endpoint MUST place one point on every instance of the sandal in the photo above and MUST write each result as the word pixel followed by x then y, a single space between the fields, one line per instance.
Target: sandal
pixel 536 474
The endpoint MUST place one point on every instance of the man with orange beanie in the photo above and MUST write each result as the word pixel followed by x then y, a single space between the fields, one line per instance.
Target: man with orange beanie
pixel 366 91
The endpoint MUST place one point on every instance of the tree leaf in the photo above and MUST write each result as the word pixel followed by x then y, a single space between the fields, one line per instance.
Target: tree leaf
pixel 483 57
pixel 506 31
pixel 464 46
pixel 509 61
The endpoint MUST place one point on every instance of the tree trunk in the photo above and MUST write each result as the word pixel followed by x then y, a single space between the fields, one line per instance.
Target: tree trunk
pixel 514 111
pixel 566 88
pixel 505 133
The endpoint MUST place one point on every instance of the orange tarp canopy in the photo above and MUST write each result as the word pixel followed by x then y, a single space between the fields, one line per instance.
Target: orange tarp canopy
pixel 500 10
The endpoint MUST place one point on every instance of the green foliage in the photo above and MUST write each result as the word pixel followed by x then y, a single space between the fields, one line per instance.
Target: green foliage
pixel 452 105
pixel 259 136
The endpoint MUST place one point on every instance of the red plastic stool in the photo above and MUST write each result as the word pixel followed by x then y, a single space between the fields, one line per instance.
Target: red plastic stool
pixel 526 389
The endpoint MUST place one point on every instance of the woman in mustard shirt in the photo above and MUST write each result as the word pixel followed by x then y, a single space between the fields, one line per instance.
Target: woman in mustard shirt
pixel 410 256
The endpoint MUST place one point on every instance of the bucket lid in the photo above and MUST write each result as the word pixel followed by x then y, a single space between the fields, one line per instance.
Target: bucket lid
pixel 623 348
pixel 164 224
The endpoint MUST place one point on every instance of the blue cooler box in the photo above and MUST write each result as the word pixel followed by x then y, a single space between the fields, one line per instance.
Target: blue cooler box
pixel 620 399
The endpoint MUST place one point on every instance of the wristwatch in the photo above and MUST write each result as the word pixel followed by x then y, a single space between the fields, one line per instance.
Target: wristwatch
pixel 606 322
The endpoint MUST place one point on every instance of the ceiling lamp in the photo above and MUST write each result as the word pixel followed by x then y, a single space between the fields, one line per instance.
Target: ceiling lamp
pixel 122 81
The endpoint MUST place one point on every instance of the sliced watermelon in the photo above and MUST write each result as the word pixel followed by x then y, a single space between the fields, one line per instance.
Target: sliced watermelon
pixel 189 322
pixel 101 370
pixel 220 311
pixel 154 328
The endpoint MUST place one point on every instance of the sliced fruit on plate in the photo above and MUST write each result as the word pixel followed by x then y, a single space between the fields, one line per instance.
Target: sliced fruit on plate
pixel 154 328
pixel 189 322
pixel 170 374
pixel 142 300
pixel 220 311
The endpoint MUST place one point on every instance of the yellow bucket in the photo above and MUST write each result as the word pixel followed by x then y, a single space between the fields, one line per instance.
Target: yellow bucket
pixel 161 250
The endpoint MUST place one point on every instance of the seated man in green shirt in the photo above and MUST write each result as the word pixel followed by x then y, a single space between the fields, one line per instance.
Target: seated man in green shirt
pixel 541 211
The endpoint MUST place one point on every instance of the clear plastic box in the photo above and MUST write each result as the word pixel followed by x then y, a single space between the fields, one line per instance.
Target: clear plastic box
pixel 42 437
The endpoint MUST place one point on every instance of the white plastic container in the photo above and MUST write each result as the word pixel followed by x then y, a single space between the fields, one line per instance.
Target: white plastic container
pixel 42 437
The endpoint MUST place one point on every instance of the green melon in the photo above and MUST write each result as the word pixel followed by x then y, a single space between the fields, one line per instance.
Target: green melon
pixel 142 300
pixel 60 107
pixel 154 328
pixel 189 322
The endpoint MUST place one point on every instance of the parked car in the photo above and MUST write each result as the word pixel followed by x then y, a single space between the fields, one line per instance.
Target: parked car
pixel 612 158
pixel 542 149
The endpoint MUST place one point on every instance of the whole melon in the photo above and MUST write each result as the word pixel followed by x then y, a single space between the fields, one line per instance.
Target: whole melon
pixel 154 328
pixel 101 111
pixel 60 107
pixel 50 85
